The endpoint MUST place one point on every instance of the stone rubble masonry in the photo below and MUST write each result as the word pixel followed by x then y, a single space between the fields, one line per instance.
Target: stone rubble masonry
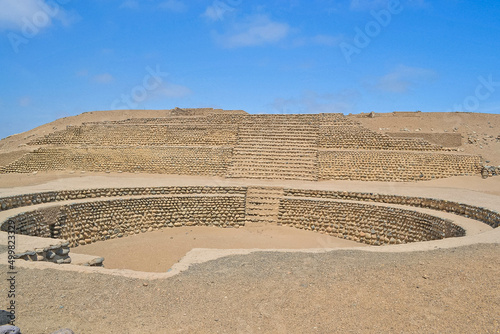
pixel 211 161
pixel 369 224
pixel 487 216
pixel 233 144
pixel 86 223
pixel 317 210
pixel 394 166
pixel 12 202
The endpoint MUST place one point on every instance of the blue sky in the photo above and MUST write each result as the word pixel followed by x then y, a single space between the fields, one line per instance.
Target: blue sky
pixel 61 57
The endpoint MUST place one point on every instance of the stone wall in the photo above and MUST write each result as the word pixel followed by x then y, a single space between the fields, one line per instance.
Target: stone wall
pixel 394 166
pixel 84 223
pixel 443 139
pixel 32 223
pixel 489 217
pixel 142 135
pixel 486 216
pixel 214 142
pixel 355 136
pixel 369 224
pixel 211 161
pixel 12 202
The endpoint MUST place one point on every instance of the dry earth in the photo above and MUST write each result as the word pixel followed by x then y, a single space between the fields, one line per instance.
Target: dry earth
pixel 480 132
pixel 441 291
pixel 343 291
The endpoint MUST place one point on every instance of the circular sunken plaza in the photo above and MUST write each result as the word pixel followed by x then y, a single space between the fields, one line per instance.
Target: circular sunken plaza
pixel 201 220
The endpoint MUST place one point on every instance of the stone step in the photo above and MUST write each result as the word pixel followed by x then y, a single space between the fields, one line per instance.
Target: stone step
pixel 273 163
pixel 281 146
pixel 273 152
pixel 271 176
pixel 255 163
pixel 306 134
pixel 276 171
pixel 262 205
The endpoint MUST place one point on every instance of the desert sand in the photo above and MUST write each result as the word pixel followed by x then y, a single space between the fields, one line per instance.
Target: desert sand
pixel 451 287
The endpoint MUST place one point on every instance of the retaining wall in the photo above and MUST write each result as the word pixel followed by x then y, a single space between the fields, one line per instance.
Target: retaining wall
pixel 394 166
pixel 234 144
pixel 211 161
pixel 369 224
pixel 12 202
pixel 84 223
pixel 487 216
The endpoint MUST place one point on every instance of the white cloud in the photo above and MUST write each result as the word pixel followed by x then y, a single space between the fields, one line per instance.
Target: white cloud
pixel 171 90
pixel 367 4
pixel 82 73
pixel 173 6
pixel 103 78
pixel 402 78
pixel 17 14
pixel 217 11
pixel 313 102
pixel 257 30
pixel 25 101
pixel 321 40
pixel 130 4
pixel 361 5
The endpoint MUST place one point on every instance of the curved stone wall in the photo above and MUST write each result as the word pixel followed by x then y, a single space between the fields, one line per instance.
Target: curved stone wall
pixel 12 202
pixel 84 223
pixel 369 224
pixel 484 215
pixel 146 209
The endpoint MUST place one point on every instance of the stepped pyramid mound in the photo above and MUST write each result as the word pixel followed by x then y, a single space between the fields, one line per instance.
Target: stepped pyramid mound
pixel 234 144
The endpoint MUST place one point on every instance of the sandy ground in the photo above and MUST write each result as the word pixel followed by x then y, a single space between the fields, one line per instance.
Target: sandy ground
pixel 157 251
pixel 449 290
pixel 480 132
pixel 455 188
pixel 442 291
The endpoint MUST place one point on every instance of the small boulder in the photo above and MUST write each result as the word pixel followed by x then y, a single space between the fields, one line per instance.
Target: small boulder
pixel 9 329
pixel 63 331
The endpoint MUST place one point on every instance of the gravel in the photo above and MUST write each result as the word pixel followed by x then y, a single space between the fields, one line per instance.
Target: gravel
pixel 344 291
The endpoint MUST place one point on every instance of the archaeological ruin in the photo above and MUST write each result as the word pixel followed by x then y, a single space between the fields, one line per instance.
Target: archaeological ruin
pixel 232 146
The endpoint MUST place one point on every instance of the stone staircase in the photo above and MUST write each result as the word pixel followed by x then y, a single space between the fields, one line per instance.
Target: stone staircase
pixel 276 147
pixel 262 204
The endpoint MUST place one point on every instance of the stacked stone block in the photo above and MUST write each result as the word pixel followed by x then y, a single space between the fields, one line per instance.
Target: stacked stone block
pixel 331 212
pixel 89 222
pixel 143 135
pixel 234 144
pixel 354 136
pixel 369 224
pixel 489 217
pixel 12 202
pixel 394 166
pixel 166 160
pixel 276 147
pixel 31 223
pixel 58 253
